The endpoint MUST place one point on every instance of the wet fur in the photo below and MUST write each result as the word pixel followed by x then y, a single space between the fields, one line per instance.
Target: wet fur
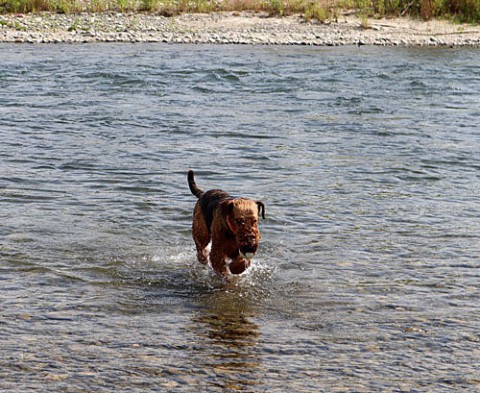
pixel 231 224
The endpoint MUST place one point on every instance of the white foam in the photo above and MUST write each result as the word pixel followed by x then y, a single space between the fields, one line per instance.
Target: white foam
pixel 180 258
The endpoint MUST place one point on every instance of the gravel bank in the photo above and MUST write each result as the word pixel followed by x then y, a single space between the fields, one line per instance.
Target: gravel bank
pixel 232 28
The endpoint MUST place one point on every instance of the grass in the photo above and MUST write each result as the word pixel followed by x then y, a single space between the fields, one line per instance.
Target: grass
pixel 321 10
pixel 459 10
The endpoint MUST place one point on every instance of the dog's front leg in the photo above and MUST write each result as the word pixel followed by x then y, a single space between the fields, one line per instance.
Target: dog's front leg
pixel 218 261
pixel 239 265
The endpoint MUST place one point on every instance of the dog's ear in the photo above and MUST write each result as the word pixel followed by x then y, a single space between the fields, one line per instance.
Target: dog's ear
pixel 261 208
pixel 227 209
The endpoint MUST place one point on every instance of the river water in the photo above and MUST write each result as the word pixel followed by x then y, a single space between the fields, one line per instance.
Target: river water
pixel 367 277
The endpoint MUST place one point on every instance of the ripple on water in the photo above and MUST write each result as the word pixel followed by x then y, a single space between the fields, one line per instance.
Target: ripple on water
pixel 367 274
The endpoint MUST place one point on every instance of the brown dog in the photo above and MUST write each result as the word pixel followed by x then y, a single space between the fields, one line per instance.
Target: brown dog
pixel 230 223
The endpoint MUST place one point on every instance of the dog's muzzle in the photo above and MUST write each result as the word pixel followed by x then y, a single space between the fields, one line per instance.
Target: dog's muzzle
pixel 249 248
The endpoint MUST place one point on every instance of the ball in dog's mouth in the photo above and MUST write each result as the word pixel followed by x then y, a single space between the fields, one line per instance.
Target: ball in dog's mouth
pixel 247 252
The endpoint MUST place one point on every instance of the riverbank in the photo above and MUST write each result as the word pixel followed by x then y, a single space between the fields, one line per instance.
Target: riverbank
pixel 233 28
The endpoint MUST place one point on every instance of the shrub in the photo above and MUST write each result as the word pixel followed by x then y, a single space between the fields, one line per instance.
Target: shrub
pixel 461 10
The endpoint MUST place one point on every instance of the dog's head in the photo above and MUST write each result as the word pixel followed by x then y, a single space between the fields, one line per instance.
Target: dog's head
pixel 241 216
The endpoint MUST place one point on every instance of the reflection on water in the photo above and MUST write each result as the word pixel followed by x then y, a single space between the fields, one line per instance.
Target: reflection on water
pixel 367 276
pixel 225 325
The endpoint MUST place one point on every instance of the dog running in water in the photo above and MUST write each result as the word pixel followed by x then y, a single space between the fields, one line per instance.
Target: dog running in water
pixel 231 224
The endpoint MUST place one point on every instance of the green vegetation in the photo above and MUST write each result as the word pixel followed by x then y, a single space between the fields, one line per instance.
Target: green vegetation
pixel 321 10
pixel 459 10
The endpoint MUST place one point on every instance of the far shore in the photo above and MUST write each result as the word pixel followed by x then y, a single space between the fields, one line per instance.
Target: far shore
pixel 233 28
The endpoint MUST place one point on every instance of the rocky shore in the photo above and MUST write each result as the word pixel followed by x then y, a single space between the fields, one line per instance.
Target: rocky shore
pixel 233 28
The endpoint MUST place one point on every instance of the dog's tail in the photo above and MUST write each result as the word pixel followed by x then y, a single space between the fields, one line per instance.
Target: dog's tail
pixel 193 186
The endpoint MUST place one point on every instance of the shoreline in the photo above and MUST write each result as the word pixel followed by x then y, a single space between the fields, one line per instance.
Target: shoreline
pixel 233 28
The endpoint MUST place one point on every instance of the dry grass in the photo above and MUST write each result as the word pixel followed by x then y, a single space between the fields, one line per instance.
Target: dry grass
pixel 321 10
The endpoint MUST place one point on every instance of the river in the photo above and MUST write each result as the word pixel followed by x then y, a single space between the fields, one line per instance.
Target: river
pixel 367 276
